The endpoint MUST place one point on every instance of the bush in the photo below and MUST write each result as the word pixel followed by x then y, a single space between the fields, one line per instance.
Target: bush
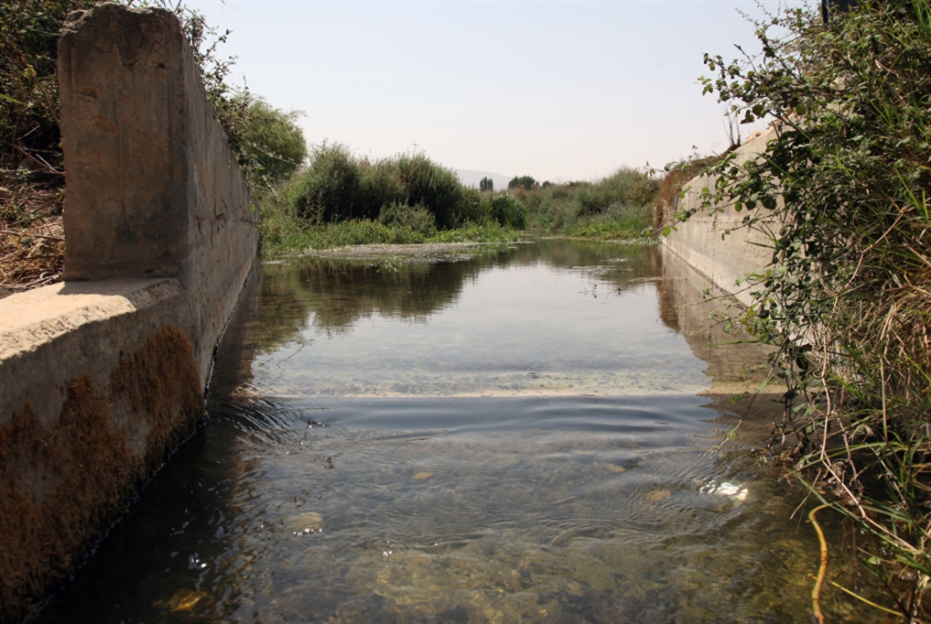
pixel 506 210
pixel 415 218
pixel 338 186
pixel 847 301
pixel 28 82
pixel 271 143
pixel 431 185
pixel 331 188
pixel 621 204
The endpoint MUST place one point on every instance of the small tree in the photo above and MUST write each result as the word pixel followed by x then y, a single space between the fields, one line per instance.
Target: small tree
pixel 524 182
pixel 271 143
pixel 487 184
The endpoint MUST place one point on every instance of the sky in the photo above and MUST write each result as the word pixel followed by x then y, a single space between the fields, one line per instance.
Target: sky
pixel 558 90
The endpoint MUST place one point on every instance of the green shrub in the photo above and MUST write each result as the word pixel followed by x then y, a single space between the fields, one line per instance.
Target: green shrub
pixel 381 185
pixel 616 223
pixel 847 299
pixel 574 207
pixel 28 81
pixel 415 218
pixel 338 186
pixel 507 211
pixel 432 186
pixel 474 208
pixel 271 142
pixel 330 189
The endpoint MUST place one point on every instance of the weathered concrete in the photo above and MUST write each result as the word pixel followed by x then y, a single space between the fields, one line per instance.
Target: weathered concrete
pixel 725 261
pixel 153 188
pixel 104 374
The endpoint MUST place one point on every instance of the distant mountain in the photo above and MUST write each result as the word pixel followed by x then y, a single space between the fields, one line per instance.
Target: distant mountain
pixel 472 178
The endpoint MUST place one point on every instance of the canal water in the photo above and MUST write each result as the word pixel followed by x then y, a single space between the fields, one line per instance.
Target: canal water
pixel 535 433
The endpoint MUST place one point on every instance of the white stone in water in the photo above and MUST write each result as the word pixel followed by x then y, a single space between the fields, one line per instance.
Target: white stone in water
pixel 306 521
pixel 735 492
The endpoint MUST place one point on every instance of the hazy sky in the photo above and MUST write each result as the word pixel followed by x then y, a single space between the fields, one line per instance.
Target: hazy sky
pixel 555 90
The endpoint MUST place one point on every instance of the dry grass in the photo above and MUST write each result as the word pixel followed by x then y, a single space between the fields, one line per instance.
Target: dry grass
pixel 667 199
pixel 32 236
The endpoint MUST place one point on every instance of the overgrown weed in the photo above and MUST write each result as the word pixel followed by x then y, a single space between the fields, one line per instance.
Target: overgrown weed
pixel 847 299
pixel 619 206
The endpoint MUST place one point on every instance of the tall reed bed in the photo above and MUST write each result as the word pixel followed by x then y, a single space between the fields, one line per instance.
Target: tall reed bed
pixel 619 206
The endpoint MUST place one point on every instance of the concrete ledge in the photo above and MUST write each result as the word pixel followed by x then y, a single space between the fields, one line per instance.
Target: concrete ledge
pixel 31 319
pixel 100 383
pixel 53 334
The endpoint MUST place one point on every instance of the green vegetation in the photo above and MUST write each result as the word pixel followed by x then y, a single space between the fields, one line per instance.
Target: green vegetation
pixel 271 145
pixel 28 83
pixel 345 200
pixel 617 207
pixel 283 236
pixel 525 182
pixel 486 185
pixel 847 301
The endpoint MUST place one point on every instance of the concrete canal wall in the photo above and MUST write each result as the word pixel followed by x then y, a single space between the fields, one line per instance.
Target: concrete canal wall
pixel 699 241
pixel 104 374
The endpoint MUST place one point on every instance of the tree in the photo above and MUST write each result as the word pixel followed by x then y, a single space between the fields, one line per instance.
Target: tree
pixel 487 184
pixel 271 143
pixel 524 182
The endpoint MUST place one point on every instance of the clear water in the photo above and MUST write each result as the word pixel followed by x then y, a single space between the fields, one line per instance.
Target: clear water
pixel 531 435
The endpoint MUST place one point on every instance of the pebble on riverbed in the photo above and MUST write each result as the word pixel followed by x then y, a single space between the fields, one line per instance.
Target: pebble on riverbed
pixel 306 522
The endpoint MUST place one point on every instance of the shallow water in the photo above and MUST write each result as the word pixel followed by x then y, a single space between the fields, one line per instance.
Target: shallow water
pixel 515 437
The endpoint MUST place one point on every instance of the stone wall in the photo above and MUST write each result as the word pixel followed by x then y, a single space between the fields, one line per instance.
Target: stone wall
pixel 104 375
pixel 714 243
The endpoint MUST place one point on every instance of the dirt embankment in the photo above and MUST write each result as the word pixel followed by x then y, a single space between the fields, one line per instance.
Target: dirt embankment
pixel 32 236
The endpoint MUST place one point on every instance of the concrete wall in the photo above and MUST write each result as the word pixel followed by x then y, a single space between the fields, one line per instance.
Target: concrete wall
pixel 103 375
pixel 699 241
pixel 153 189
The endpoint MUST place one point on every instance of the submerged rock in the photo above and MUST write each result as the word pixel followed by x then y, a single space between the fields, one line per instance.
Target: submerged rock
pixel 306 522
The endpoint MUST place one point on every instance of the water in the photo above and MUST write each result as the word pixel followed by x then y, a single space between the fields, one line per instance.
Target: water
pixel 534 434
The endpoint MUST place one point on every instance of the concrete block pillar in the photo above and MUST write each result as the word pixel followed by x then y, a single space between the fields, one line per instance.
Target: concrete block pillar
pixel 125 137
pixel 152 187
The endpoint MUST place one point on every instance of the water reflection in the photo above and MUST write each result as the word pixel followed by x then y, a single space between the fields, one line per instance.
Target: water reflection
pixel 691 304
pixel 552 318
pixel 350 473
pixel 332 295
